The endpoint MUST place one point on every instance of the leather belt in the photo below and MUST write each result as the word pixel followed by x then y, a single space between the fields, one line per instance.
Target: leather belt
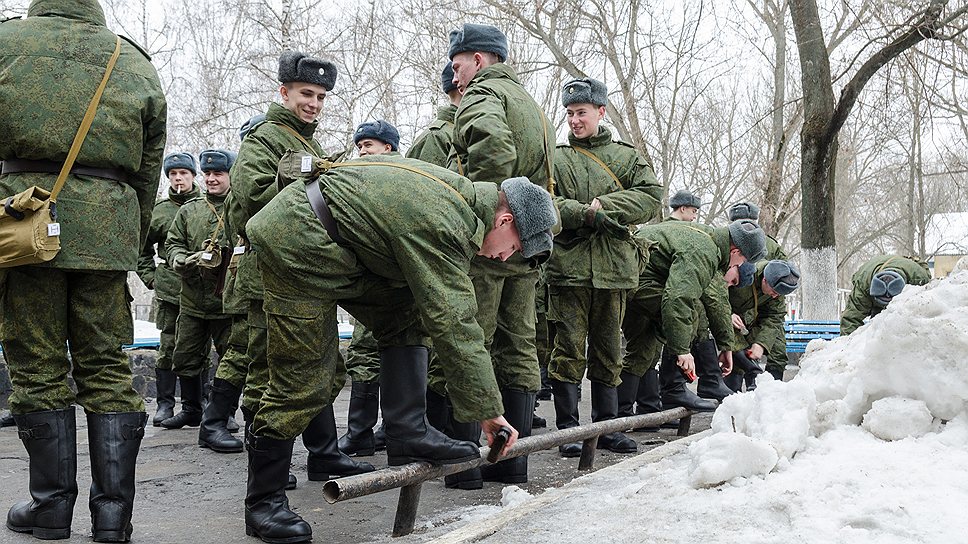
pixel 19 166
pixel 321 209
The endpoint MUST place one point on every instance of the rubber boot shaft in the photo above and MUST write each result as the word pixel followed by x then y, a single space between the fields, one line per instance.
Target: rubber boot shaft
pixel 604 408
pixel 325 460
pixel 165 381
pixel 518 409
pixel 115 439
pixel 213 433
pixel 566 413
pixel 267 513
pixel 675 394
pixel 363 411
pixel 710 374
pixel 191 400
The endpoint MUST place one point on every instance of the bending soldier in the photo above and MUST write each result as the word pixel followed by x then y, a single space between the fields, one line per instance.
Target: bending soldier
pixel 876 283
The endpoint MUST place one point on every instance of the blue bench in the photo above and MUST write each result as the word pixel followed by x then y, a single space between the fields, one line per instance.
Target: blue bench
pixel 799 333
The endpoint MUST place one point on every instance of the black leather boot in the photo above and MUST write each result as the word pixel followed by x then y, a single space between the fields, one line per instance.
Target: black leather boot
pixel 50 439
pixel 648 400
pixel 537 422
pixel 710 374
pixel 165 381
pixel 518 408
pixel 605 407
pixel 627 391
pixel 380 437
pixel 267 513
pixel 191 401
pixel 363 411
pixel 734 381
pixel 545 392
pixel 471 478
pixel 438 412
pixel 675 394
pixel 247 417
pixel 409 437
pixel 212 433
pixel 566 413
pixel 748 372
pixel 115 439
pixel 326 461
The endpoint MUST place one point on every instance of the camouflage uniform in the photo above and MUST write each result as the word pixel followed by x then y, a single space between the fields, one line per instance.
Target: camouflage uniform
pixel 499 133
pixel 253 186
pixel 234 364
pixel 590 272
pixel 200 320
pixel 861 304
pixel 763 316
pixel 394 274
pixel 51 63
pixel 160 277
pixel 434 144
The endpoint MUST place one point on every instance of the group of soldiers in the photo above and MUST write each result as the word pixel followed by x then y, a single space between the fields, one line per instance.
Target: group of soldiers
pixel 484 247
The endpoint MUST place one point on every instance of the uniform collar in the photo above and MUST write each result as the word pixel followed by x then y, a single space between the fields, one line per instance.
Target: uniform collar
pixel 182 198
pixel 447 113
pixel 216 199
pixel 495 71
pixel 278 113
pixel 88 11
pixel 603 137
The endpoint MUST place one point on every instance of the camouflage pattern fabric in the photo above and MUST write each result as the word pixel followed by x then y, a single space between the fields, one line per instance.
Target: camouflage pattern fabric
pixel 88 309
pixel 52 61
pixel 194 337
pixel 166 317
pixel 257 374
pixel 160 277
pixel 189 234
pixel 763 316
pixel 233 365
pixel 395 275
pixel 363 356
pixel 573 310
pixel 860 304
pixel 434 144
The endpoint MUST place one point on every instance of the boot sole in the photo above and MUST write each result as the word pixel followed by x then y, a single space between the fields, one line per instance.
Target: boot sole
pixel 360 453
pixel 111 536
pixel 249 531
pixel 406 460
pixel 219 449
pixel 42 533
pixel 325 477
pixel 466 486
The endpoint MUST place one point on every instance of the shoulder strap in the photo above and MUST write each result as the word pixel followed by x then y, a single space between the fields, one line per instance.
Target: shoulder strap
pixel 85 125
pixel 309 148
pixel 328 164
pixel 218 225
pixel 604 166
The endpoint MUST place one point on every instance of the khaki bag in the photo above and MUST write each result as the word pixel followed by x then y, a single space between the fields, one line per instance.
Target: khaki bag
pixel 29 231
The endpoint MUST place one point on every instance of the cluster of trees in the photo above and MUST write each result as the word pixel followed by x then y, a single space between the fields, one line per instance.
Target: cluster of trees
pixel 846 120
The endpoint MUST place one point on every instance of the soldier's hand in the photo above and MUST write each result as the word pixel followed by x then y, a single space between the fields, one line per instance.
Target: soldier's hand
pixel 755 352
pixel 726 362
pixel 687 363
pixel 591 210
pixel 738 322
pixel 606 225
pixel 493 425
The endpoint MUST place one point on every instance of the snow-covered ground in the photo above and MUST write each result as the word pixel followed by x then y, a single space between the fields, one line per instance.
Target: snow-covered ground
pixel 868 444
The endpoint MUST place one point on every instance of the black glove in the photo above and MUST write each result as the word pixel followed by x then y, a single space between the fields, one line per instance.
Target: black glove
pixel 609 227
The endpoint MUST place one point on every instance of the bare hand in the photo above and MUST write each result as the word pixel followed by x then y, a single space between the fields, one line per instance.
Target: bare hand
pixel 755 352
pixel 591 210
pixel 738 322
pixel 726 362
pixel 492 426
pixel 687 363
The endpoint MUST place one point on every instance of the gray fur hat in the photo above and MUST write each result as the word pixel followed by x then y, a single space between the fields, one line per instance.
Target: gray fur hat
pixel 885 285
pixel 747 271
pixel 475 37
pixel 447 78
pixel 744 210
pixel 782 276
pixel 251 124
pixel 684 198
pixel 534 214
pixel 296 66
pixel 378 130
pixel 179 160
pixel 749 238
pixel 216 160
pixel 584 91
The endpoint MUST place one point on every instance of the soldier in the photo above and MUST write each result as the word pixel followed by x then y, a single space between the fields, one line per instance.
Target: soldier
pixel 759 310
pixel 180 170
pixel 748 210
pixel 689 266
pixel 53 62
pixel 305 81
pixel 685 206
pixel 500 132
pixel 876 283
pixel 434 144
pixel 603 188
pixel 399 266
pixel 363 354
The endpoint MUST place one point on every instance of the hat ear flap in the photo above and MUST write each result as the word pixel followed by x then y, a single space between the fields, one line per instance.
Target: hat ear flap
pixel 878 287
pixel 895 287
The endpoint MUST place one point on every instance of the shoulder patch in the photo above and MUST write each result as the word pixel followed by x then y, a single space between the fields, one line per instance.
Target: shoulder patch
pixel 136 46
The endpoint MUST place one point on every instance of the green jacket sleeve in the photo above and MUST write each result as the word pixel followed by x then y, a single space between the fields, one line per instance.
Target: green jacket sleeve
pixel 146 263
pixel 859 307
pixel 483 127
pixel 767 331
pixel 435 267
pixel 640 201
pixel 145 180
pixel 681 296
pixel 253 179
pixel 177 243
pixel 715 300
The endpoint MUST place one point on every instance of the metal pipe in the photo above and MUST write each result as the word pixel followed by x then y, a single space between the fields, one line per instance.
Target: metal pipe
pixel 352 487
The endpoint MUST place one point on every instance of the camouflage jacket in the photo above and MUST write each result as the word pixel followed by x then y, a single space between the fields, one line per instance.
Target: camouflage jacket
pixel 194 225
pixel 774 251
pixel 686 263
pixel 51 63
pixel 254 180
pixel 161 277
pixel 860 304
pixel 583 257
pixel 434 144
pixel 762 314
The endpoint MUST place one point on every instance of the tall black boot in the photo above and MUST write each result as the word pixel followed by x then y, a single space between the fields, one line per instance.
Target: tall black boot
pixel 165 381
pixel 247 417
pixel 735 380
pixel 438 412
pixel 326 461
pixel 674 391
pixel 212 433
pixel 380 437
pixel 191 401
pixel 518 408
pixel 605 407
pixel 409 437
pixel 749 371
pixel 50 439
pixel 545 392
pixel 711 384
pixel 363 411
pixel 566 413
pixel 627 391
pixel 470 478
pixel 267 513
pixel 648 400
pixel 115 439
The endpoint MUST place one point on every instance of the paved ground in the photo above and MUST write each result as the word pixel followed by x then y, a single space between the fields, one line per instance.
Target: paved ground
pixel 187 494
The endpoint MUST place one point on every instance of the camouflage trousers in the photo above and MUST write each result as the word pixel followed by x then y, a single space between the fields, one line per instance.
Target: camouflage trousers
pixel 506 312
pixel 234 364
pixel 257 373
pixel 44 309
pixel 642 327
pixel 166 318
pixel 585 314
pixel 194 337
pixel 363 356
